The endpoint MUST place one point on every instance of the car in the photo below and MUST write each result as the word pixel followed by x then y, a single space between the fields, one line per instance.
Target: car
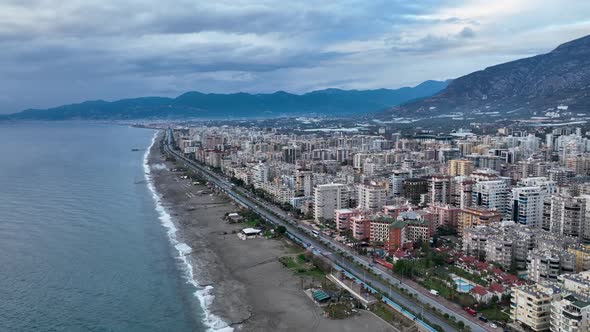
pixel 483 319
pixel 492 325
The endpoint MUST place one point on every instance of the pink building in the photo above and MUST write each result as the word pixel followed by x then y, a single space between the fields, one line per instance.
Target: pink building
pixel 342 218
pixel 360 226
pixel 444 216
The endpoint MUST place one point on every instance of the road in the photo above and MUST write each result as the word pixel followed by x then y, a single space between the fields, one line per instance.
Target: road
pixel 327 246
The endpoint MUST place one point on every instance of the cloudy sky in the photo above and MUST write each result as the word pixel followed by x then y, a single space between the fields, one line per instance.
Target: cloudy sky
pixel 63 51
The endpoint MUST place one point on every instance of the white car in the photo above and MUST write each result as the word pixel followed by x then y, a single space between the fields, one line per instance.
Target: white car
pixel 492 325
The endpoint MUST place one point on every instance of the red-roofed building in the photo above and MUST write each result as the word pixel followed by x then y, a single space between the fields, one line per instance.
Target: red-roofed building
pixel 498 290
pixel 481 266
pixel 508 279
pixel 480 294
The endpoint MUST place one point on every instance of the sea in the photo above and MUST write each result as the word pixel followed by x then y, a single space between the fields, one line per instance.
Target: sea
pixel 85 242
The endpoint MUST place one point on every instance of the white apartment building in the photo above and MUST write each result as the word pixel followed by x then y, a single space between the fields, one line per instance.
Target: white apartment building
pixel 396 180
pixel 562 306
pixel 548 264
pixel 327 198
pixel 371 197
pixel 492 195
pixel 531 305
pixel 571 314
pixel 260 175
pixel 527 205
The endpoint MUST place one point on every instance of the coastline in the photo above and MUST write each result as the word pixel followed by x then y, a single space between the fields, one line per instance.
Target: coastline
pixel 202 293
pixel 241 284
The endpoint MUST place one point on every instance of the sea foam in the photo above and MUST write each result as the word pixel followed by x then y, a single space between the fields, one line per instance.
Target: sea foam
pixel 203 294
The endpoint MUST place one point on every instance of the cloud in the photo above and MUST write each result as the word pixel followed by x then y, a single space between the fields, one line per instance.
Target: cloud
pixel 73 50
pixel 467 32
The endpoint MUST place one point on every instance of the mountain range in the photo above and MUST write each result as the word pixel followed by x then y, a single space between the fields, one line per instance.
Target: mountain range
pixel 238 105
pixel 523 87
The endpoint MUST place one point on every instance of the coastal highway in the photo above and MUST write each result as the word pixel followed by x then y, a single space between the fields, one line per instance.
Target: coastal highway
pixel 326 246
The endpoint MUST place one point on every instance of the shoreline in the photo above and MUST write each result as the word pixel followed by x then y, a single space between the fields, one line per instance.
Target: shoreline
pixel 247 288
pixel 183 250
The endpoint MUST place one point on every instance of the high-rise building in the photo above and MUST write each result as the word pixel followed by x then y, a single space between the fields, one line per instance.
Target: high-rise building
pixel 462 195
pixel 414 188
pixel 531 305
pixel 460 167
pixel 567 216
pixel 492 195
pixel 439 189
pixel 291 154
pixel 371 197
pixel 327 198
pixel 396 180
pixel 260 175
pixel 527 205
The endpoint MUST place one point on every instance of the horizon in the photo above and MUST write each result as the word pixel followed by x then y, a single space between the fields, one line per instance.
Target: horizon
pixel 259 47
pixel 229 93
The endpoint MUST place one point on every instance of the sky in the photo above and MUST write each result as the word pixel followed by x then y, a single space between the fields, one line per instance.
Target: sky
pixel 55 52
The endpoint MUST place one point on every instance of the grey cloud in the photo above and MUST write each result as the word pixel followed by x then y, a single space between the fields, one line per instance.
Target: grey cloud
pixel 467 32
pixel 433 43
pixel 72 50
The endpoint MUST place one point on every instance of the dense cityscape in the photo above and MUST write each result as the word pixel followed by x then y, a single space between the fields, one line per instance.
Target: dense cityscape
pixel 286 166
pixel 503 215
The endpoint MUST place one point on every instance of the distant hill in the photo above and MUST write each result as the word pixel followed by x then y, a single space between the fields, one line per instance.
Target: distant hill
pixel 240 105
pixel 521 87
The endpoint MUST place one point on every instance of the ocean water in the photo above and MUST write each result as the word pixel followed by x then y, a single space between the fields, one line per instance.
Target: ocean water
pixel 84 245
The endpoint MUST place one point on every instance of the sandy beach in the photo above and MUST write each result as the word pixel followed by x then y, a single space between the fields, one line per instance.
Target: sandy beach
pixel 251 288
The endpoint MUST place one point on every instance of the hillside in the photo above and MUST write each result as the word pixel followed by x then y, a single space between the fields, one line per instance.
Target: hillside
pixel 239 105
pixel 522 87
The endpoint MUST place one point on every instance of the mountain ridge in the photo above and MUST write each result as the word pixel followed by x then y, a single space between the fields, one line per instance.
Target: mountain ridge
pixel 524 86
pixel 240 104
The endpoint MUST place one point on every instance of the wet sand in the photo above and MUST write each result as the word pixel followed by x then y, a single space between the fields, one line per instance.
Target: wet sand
pixel 252 290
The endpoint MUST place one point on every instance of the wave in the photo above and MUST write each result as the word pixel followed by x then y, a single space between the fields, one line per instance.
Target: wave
pixel 203 294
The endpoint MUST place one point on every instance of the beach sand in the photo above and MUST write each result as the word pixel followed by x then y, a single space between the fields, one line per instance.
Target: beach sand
pixel 252 290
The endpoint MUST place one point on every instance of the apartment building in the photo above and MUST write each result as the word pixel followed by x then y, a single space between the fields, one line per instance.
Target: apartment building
pixel 444 215
pixel 414 188
pixel 527 205
pixel 474 216
pixel 492 195
pixel 379 230
pixel 327 199
pixel 571 314
pixel 395 182
pixel 566 216
pixel 460 167
pixel 531 305
pixel 371 197
pixel 582 256
pixel 560 306
pixel 547 264
pixel 439 189
pixel 342 218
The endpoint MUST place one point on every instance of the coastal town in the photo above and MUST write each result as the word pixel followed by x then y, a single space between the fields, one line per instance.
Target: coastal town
pixel 489 222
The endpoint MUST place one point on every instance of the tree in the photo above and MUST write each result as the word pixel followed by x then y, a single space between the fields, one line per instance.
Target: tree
pixel 282 229
pixel 403 268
